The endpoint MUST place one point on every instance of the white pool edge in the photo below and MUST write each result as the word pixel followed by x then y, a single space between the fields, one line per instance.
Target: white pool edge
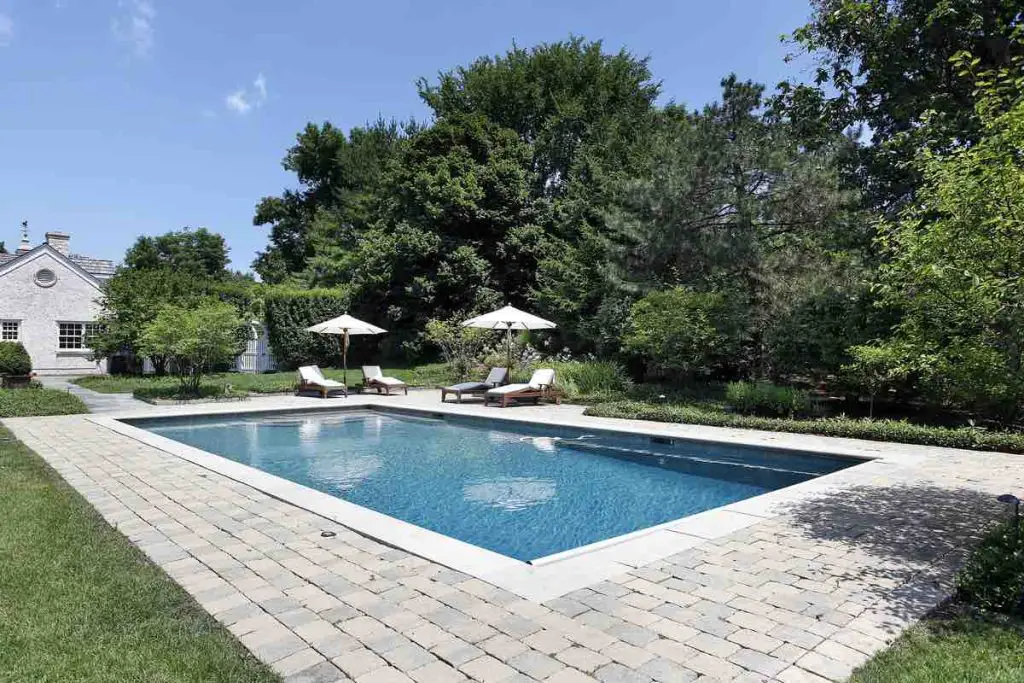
pixel 544 578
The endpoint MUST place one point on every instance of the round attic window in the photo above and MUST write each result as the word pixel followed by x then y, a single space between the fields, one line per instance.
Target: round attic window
pixel 46 278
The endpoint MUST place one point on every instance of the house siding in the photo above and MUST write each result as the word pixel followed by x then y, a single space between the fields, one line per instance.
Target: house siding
pixel 72 298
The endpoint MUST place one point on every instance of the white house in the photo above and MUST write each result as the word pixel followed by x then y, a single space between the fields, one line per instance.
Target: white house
pixel 49 301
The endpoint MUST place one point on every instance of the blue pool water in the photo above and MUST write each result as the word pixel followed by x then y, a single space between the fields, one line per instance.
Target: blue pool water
pixel 522 492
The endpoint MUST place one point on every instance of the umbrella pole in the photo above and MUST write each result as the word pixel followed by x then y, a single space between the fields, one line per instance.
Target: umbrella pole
pixel 508 346
pixel 344 358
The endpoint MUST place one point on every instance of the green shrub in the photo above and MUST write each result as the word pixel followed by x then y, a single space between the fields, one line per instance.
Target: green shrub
pixel 33 401
pixel 993 577
pixel 194 340
pixel 767 400
pixel 681 332
pixel 873 430
pixel 289 312
pixel 14 359
pixel 589 378
pixel 461 347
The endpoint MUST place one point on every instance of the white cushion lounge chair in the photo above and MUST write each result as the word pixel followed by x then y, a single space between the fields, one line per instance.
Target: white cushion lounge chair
pixel 311 379
pixel 373 378
pixel 494 379
pixel 541 386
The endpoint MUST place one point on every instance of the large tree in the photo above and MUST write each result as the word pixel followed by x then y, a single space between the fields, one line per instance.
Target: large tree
pixel 733 200
pixel 338 175
pixel 955 262
pixel 197 252
pixel 584 112
pixel 881 64
pixel 181 268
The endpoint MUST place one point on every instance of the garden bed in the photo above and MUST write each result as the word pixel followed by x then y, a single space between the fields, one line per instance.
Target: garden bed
pixel 898 431
pixel 35 401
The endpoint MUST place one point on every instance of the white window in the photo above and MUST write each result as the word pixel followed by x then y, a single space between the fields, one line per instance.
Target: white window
pixel 9 330
pixel 76 335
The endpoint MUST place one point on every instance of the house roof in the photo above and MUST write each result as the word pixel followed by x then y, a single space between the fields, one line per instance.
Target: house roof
pixel 100 269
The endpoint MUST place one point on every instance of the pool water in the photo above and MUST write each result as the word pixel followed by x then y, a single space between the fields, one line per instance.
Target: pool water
pixel 525 492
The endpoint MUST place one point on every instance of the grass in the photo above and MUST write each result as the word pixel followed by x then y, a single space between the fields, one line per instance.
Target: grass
pixel 36 401
pixel 962 647
pixel 430 374
pixel 79 603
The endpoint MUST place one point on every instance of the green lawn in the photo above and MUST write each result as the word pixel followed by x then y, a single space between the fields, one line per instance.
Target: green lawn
pixel 79 603
pixel 28 402
pixel 420 375
pixel 956 649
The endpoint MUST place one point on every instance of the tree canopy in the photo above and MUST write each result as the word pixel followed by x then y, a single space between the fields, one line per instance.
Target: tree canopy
pixel 808 233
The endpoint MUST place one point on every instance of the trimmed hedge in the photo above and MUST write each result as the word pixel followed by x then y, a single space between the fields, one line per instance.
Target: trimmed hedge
pixel 14 359
pixel 289 312
pixel 33 401
pixel 873 430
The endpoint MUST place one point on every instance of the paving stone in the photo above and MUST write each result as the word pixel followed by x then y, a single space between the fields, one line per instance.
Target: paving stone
pixel 324 672
pixel 616 673
pixel 456 652
pixel 535 664
pixel 547 642
pixel 437 672
pixel 299 661
pixel 384 675
pixel 712 645
pixel 824 666
pixel 358 662
pixel 487 669
pixel 503 647
pixel 409 657
pixel 797 675
pixel 755 641
pixel 582 658
pixel 628 655
pixel 758 662
pixel 570 676
pixel 666 671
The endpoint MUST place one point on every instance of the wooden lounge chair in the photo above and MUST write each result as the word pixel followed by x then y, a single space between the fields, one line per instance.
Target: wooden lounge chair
pixel 495 378
pixel 541 387
pixel 311 379
pixel 373 378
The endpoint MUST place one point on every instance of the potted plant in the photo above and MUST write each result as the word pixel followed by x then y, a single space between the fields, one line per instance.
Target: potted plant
pixel 15 365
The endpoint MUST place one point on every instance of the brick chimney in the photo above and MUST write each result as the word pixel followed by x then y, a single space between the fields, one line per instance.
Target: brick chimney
pixel 61 241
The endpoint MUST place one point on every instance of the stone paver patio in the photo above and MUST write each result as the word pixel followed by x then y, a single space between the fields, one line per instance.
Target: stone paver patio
pixel 804 595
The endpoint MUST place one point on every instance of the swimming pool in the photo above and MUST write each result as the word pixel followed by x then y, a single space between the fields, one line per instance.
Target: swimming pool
pixel 523 491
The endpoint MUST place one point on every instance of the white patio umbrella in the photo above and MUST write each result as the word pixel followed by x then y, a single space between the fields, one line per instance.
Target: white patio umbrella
pixel 508 319
pixel 345 325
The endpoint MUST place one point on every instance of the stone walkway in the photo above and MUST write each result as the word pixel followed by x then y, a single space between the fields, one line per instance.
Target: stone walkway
pixel 96 402
pixel 805 596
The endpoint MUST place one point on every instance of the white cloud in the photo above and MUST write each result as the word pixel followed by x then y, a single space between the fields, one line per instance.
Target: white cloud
pixel 261 89
pixel 134 26
pixel 243 100
pixel 6 30
pixel 237 102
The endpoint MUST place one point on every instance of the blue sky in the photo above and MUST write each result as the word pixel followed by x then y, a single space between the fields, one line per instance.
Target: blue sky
pixel 128 117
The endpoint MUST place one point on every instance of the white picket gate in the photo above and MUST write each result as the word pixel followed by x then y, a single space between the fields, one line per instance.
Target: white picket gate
pixel 257 357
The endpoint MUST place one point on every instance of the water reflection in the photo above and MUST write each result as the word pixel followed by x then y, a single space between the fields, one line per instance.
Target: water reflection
pixel 347 473
pixel 510 493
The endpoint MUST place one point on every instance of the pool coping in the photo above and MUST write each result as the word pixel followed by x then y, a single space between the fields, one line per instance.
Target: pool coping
pixel 547 577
